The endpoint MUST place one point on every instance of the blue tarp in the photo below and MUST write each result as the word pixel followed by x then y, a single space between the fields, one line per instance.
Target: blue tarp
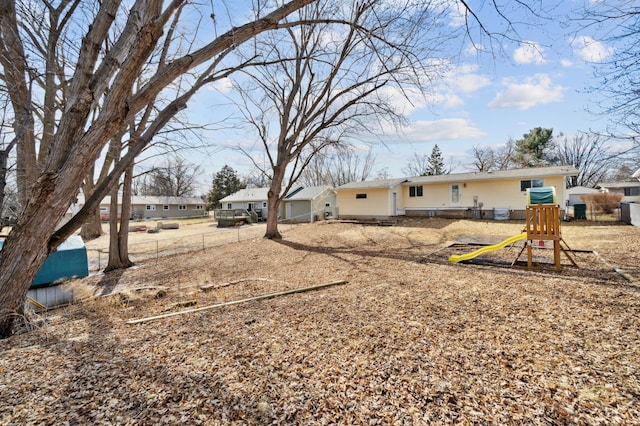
pixel 68 261
pixel 542 195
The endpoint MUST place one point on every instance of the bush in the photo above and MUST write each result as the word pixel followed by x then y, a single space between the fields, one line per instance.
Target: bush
pixel 604 202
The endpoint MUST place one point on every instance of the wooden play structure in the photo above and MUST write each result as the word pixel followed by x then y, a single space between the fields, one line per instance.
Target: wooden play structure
pixel 543 224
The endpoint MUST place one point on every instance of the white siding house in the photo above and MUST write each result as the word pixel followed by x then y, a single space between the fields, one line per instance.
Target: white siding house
pixel 250 199
pixel 630 191
pixel 374 199
pixel 475 194
pixel 481 194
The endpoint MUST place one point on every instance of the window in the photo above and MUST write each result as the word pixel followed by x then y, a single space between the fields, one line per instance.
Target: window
pixel 199 207
pixel 534 183
pixel 631 192
pixel 150 207
pixel 104 209
pixel 361 196
pixel 182 207
pixel 229 206
pixel 415 191
pixel 264 204
pixel 455 194
pixel 165 207
pixel 327 204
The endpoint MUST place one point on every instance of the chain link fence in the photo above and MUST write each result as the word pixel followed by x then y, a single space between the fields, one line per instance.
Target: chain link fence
pixel 158 247
pixel 596 212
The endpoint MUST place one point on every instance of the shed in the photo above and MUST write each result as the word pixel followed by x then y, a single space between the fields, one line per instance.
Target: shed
pixel 575 193
pixel 308 204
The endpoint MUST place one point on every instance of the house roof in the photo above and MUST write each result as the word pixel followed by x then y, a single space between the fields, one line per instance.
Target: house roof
pixel 372 184
pixel 581 190
pixel 306 193
pixel 247 194
pixel 531 172
pixel 635 184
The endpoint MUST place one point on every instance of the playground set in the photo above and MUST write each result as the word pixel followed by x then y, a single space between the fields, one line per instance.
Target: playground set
pixel 542 225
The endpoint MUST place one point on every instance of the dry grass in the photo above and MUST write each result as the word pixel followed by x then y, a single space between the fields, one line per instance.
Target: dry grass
pixel 411 339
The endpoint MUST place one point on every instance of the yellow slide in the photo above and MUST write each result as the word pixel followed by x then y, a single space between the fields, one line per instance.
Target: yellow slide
pixel 460 257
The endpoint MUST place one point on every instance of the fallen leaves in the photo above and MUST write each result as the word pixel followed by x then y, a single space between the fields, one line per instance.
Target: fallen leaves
pixel 412 339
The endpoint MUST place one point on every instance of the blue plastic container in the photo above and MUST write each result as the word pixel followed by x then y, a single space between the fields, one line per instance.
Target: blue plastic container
pixel 68 261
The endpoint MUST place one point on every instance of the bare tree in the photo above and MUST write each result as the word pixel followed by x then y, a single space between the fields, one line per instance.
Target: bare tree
pixel 79 136
pixel 615 25
pixel 323 84
pixel 174 177
pixel 483 159
pixel 417 165
pixel 590 155
pixel 338 165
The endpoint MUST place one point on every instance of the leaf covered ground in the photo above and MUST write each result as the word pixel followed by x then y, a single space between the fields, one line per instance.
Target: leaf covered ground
pixel 410 338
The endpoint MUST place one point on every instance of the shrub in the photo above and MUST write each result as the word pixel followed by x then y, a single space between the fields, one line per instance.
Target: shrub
pixel 604 202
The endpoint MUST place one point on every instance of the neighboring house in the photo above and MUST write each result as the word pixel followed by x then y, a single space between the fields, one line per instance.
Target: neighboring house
pixel 374 199
pixel 577 192
pixel 474 194
pixel 251 199
pixel 148 207
pixel 629 190
pixel 309 204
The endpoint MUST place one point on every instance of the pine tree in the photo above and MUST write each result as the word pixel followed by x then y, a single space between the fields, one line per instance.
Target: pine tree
pixel 225 182
pixel 532 149
pixel 436 163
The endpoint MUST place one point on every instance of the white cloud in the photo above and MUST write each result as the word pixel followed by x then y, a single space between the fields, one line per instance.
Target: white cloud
pixel 445 92
pixel 405 101
pixel 223 85
pixel 536 90
pixel 474 49
pixel 445 129
pixel 465 79
pixel 566 63
pixel 591 50
pixel 529 53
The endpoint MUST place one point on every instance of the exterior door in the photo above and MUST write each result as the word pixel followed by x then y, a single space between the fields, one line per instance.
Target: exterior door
pixel 455 194
pixel 394 204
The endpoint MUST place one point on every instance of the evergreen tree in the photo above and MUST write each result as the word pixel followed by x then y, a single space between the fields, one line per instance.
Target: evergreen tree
pixel 225 182
pixel 532 149
pixel 436 163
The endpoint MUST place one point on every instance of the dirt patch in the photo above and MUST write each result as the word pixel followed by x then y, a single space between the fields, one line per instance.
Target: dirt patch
pixel 410 339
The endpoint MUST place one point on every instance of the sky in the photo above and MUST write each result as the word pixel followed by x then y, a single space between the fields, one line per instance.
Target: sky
pixel 483 100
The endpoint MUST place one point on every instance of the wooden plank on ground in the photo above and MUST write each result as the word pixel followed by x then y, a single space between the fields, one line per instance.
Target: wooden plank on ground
pixel 236 302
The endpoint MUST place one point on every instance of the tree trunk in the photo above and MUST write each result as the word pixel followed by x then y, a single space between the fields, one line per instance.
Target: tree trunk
pixel 92 226
pixel 119 235
pixel 4 154
pixel 273 204
pixel 12 60
pixel 92 229
pixel 28 246
pixel 77 144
